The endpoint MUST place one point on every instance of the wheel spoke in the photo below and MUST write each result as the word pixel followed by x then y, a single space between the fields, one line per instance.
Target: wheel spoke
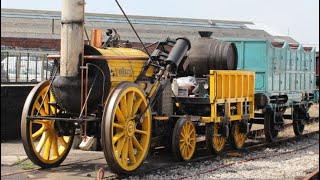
pixel 136 105
pixel 124 153
pixel 42 111
pixel 55 146
pixel 191 131
pixel 188 127
pixel 38 133
pixel 43 122
pixel 42 142
pixel 119 126
pixel 47 149
pixel 131 152
pixel 130 102
pixel 141 132
pixel 63 142
pixel 124 106
pixel 120 145
pixel 137 144
pixel 182 145
pixel 45 103
pixel 117 136
pixel 119 115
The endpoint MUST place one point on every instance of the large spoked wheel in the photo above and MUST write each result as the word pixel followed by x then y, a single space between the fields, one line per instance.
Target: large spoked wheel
pixel 125 136
pixel 184 139
pixel 40 138
pixel 215 142
pixel 237 138
pixel 270 132
pixel 299 116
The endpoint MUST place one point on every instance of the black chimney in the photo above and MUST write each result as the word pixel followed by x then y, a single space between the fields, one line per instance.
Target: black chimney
pixel 205 33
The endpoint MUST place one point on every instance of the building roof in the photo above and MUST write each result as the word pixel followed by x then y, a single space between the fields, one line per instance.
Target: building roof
pixel 46 24
pixel 285 38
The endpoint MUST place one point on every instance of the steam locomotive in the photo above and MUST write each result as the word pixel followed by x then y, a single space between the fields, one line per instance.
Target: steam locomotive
pixel 124 97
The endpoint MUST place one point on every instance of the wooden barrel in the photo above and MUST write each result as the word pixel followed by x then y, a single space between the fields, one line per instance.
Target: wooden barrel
pixel 210 54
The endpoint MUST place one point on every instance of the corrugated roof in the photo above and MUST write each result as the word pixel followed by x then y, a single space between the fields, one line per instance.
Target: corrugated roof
pixel 38 24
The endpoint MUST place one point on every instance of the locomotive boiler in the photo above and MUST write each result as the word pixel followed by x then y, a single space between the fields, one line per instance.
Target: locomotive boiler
pixel 123 97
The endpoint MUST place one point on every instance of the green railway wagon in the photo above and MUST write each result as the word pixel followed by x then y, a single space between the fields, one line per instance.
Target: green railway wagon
pixel 285 78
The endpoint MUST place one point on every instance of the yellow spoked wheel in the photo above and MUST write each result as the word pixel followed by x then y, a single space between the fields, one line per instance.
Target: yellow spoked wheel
pixel 237 138
pixel 215 142
pixel 126 128
pixel 184 139
pixel 40 138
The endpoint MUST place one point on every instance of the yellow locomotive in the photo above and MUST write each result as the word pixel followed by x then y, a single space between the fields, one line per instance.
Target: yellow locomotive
pixel 123 96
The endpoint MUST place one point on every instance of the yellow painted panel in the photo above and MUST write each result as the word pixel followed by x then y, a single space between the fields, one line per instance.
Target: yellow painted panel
pixel 125 70
pixel 228 87
pixel 128 52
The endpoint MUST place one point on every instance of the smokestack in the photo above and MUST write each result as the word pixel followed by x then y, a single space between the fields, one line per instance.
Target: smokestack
pixel 72 20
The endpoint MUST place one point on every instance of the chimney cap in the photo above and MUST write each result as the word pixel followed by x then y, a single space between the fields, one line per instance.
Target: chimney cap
pixel 205 33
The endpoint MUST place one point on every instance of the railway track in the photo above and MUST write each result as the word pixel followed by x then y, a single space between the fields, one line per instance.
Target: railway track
pixel 200 155
pixel 254 147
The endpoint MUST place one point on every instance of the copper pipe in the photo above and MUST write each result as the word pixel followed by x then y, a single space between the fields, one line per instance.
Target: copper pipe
pixel 96 38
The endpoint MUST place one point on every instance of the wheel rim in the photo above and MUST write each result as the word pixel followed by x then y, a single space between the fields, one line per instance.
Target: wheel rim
pixel 130 140
pixel 239 137
pixel 187 140
pixel 218 141
pixel 46 143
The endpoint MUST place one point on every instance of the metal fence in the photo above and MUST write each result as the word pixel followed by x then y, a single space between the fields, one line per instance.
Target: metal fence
pixel 25 66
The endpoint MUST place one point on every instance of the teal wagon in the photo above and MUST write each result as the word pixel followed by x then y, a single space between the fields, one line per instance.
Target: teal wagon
pixel 285 78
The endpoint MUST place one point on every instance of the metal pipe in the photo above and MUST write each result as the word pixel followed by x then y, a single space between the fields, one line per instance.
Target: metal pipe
pixel 72 21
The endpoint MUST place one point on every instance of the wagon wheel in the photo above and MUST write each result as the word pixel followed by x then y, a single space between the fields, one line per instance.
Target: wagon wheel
pixel 299 117
pixel 270 132
pixel 237 138
pixel 184 139
pixel 125 138
pixel 215 142
pixel 40 138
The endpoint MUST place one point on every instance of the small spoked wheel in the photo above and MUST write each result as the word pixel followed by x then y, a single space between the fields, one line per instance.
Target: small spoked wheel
pixel 184 139
pixel 215 142
pixel 40 138
pixel 126 128
pixel 237 138
pixel 271 133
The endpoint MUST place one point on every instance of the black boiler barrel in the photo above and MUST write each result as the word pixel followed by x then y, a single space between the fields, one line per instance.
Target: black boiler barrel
pixel 210 54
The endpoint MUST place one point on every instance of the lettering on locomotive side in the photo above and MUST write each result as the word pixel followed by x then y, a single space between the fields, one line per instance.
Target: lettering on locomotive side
pixel 124 72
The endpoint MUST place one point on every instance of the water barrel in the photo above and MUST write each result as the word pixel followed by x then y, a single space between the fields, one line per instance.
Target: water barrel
pixel 210 54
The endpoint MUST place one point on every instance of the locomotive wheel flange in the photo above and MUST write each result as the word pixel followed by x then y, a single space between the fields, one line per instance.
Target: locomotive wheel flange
pixel 237 138
pixel 40 138
pixel 215 142
pixel 270 131
pixel 184 139
pixel 126 139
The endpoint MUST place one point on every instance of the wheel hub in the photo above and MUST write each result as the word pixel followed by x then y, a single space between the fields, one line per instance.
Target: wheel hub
pixel 188 140
pixel 130 128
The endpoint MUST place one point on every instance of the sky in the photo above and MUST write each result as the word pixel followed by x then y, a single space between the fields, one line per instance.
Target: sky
pixel 297 18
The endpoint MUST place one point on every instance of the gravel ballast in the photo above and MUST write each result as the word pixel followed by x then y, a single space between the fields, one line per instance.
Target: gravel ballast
pixel 284 166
